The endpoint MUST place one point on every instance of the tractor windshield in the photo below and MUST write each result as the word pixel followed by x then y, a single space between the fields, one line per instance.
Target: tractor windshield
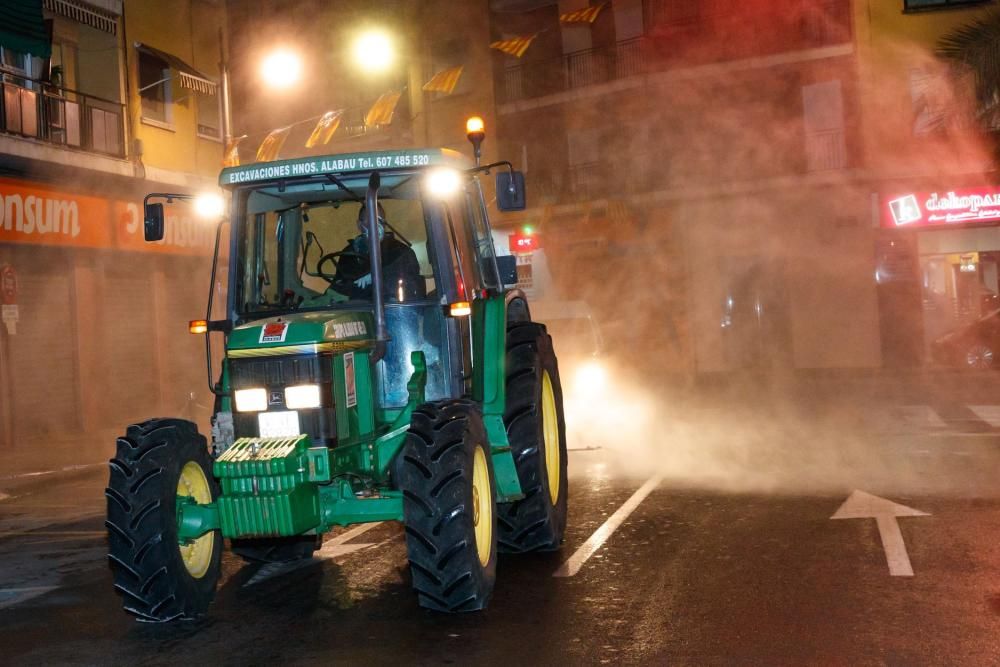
pixel 302 247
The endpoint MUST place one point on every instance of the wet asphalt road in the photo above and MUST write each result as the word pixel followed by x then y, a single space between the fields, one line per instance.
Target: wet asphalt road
pixel 741 566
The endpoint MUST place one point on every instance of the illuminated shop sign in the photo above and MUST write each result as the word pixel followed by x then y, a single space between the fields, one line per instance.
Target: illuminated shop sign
pixel 934 209
pixel 523 243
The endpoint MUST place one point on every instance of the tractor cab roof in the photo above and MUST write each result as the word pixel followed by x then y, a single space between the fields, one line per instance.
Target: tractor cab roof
pixel 343 164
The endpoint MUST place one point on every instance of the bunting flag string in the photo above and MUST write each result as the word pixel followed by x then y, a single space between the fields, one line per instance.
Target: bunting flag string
pixel 585 15
pixel 381 112
pixel 325 128
pixel 444 81
pixel 231 156
pixel 516 46
pixel 272 144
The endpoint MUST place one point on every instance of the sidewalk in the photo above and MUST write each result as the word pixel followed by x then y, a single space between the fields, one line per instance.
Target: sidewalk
pixel 45 457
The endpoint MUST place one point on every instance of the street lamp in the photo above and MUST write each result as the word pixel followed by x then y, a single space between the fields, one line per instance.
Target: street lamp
pixel 374 51
pixel 281 69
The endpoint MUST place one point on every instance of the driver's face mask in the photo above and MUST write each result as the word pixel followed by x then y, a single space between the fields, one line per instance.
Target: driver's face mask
pixel 361 242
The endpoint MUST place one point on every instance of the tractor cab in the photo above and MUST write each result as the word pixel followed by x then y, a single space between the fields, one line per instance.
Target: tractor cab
pixel 304 256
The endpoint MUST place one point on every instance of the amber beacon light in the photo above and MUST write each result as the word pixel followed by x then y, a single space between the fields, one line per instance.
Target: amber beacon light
pixel 198 326
pixel 475 130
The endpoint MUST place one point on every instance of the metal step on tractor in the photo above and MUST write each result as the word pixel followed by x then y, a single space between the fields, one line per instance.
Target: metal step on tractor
pixel 361 381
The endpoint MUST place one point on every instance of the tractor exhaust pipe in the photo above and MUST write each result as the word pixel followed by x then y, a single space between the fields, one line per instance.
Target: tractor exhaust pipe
pixel 375 257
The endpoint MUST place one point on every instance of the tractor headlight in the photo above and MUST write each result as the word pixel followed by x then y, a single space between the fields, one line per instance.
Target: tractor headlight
pixel 443 182
pixel 251 400
pixel 302 396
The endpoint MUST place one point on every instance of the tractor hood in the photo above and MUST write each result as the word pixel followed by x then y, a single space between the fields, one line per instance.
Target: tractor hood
pixel 303 333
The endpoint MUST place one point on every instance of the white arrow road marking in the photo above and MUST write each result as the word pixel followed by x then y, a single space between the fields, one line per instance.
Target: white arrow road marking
pixel 861 505
pixel 600 536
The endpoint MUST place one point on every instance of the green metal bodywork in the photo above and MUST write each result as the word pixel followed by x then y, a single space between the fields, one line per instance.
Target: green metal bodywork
pixel 275 487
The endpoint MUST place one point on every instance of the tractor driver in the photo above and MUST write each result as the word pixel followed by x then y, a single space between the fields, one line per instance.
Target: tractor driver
pixel 401 279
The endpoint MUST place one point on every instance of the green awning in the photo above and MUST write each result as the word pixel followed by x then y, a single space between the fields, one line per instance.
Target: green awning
pixel 22 28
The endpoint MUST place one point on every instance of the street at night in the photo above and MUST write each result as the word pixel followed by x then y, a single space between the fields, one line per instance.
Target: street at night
pixel 541 332
pixel 734 561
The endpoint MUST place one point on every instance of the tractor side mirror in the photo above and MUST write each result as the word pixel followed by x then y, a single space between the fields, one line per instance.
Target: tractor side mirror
pixel 153 222
pixel 510 191
pixel 507 266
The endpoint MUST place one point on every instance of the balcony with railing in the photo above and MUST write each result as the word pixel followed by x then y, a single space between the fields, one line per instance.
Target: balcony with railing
pixel 60 116
pixel 678 41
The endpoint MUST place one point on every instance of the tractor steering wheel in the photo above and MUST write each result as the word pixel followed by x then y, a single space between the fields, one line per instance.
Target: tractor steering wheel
pixel 345 281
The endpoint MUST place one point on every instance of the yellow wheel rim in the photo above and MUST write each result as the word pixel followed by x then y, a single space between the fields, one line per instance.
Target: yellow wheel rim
pixel 482 505
pixel 550 437
pixel 197 555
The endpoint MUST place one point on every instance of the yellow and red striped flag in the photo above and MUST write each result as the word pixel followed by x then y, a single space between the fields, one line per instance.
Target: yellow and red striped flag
pixel 588 14
pixel 231 156
pixel 444 81
pixel 271 146
pixel 516 46
pixel 381 112
pixel 325 129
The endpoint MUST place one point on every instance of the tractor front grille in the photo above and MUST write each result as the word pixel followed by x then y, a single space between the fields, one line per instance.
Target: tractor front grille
pixel 274 374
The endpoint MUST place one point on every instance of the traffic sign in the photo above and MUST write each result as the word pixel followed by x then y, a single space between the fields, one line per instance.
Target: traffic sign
pixel 8 285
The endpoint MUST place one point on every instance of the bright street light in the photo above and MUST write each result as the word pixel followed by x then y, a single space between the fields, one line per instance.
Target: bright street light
pixel 209 206
pixel 281 69
pixel 374 51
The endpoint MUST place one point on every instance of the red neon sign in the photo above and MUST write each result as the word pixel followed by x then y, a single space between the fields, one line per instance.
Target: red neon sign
pixel 934 209
pixel 523 243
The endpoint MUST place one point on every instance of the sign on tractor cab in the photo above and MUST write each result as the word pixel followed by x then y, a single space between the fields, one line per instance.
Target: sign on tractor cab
pixel 387 160
pixel 359 379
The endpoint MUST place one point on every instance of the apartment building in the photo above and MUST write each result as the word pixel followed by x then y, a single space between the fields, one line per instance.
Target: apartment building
pixel 714 172
pixel 102 102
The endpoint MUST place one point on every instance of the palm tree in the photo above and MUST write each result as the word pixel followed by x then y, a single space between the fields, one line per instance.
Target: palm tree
pixel 974 50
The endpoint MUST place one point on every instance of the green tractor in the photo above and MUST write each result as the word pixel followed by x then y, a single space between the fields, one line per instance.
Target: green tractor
pixel 398 380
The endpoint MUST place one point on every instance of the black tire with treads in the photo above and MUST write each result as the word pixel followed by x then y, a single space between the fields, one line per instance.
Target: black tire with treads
pixel 434 470
pixel 143 551
pixel 533 523
pixel 276 549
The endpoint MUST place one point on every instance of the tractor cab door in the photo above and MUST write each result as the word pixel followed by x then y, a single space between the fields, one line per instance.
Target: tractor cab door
pixel 465 269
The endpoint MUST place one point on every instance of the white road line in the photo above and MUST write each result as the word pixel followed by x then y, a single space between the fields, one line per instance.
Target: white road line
pixel 919 415
pixel 988 413
pixel 51 472
pixel 12 596
pixel 600 536
pixel 349 535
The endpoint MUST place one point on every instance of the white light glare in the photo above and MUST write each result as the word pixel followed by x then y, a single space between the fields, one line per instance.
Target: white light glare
pixel 590 378
pixel 251 400
pixel 209 206
pixel 373 51
pixel 281 69
pixel 302 396
pixel 443 182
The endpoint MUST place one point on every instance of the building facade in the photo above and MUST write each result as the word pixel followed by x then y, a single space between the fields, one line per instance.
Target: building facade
pixel 107 101
pixel 715 176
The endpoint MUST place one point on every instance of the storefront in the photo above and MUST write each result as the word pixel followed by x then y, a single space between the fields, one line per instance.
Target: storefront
pixel 937 267
pixel 98 333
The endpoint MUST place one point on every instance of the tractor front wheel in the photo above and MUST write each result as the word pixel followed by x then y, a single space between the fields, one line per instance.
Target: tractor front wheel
pixel 445 472
pixel 536 431
pixel 159 577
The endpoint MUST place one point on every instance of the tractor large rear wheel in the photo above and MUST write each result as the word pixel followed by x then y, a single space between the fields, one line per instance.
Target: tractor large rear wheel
pixel 445 472
pixel 161 579
pixel 536 430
